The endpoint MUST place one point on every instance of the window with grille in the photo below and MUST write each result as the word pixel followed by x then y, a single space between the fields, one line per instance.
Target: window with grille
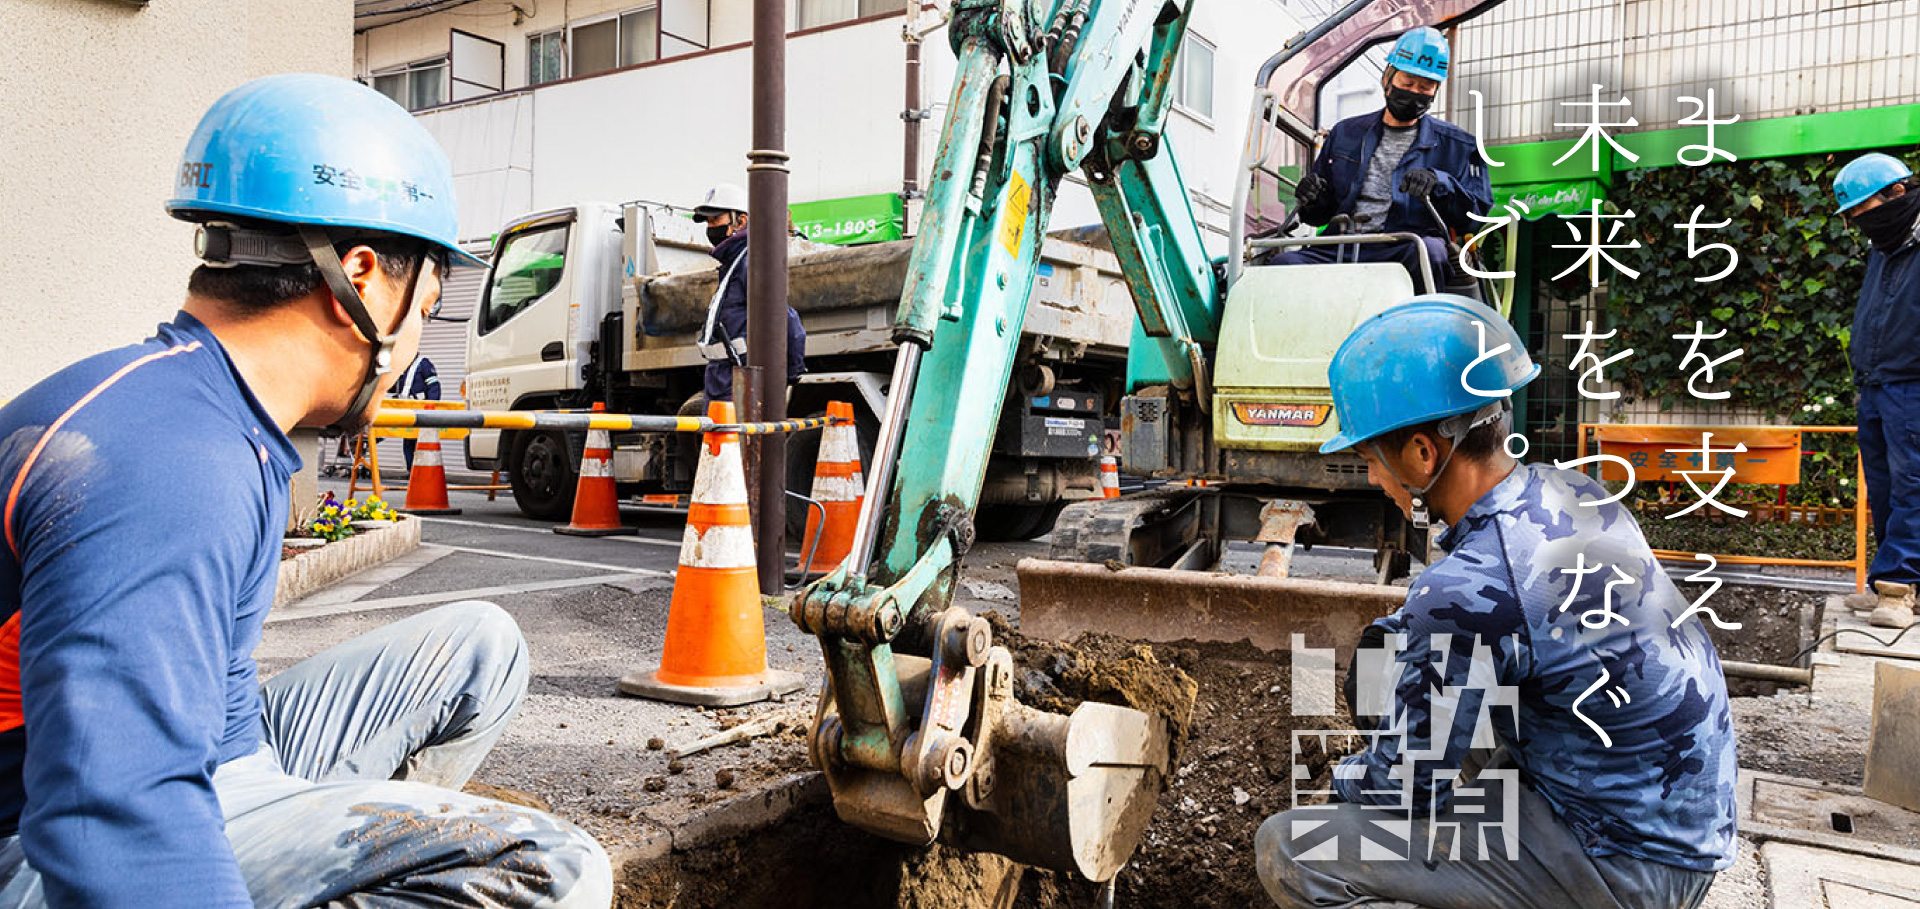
pixel 546 61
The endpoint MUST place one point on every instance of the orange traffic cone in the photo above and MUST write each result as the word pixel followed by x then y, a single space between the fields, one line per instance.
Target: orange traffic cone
pixel 838 487
pixel 427 482
pixel 596 505
pixel 716 646
pixel 1109 477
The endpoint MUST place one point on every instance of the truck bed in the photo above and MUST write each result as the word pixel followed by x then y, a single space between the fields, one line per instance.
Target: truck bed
pixel 846 297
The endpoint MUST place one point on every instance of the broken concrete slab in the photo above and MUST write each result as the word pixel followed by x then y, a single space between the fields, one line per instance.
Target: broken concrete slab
pixel 1801 876
pixel 1893 747
pixel 1865 639
pixel 765 807
pixel 1776 808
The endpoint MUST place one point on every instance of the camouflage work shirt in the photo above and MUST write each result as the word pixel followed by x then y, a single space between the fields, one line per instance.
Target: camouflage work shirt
pixel 1613 711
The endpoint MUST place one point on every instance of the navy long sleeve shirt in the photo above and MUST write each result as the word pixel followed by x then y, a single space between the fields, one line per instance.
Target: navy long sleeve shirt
pixel 145 495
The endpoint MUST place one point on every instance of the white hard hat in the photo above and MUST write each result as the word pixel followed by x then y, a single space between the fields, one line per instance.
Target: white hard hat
pixel 722 197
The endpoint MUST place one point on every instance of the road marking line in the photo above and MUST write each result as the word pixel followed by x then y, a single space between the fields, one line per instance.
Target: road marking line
pixel 645 541
pixel 294 613
pixel 603 566
pixel 372 579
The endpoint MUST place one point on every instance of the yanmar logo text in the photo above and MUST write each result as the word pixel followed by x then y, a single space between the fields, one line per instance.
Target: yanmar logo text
pixel 1277 414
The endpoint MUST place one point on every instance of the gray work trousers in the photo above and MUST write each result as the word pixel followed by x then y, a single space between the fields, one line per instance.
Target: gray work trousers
pixel 352 800
pixel 1445 864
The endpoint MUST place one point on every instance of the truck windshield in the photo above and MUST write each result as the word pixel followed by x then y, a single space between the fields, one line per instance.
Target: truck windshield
pixel 525 270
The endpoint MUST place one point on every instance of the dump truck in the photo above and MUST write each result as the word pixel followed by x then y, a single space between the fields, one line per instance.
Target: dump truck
pixel 602 303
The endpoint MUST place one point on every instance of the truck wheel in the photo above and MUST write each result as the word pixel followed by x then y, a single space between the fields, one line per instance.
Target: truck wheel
pixel 542 474
pixel 1015 523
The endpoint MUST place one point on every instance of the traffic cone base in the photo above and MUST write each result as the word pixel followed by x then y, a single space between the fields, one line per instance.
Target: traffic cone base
pixel 596 500
pixel 764 687
pixel 715 654
pixel 427 481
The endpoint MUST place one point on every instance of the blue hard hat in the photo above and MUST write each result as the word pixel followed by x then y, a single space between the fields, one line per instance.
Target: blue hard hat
pixel 308 149
pixel 1409 365
pixel 1421 52
pixel 1866 175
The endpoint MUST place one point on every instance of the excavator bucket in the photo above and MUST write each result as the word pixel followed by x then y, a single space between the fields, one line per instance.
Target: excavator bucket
pixel 1062 600
pixel 1071 793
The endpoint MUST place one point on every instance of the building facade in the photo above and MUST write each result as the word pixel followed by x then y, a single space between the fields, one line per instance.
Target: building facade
pixel 98 105
pixel 546 105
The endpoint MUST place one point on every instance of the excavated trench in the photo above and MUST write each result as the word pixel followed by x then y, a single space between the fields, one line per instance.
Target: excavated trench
pixel 1233 771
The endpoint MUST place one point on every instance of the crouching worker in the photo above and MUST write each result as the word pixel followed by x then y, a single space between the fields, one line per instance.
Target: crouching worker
pixel 145 492
pixel 1553 726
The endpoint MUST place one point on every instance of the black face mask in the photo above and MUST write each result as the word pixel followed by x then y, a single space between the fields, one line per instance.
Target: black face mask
pixel 718 232
pixel 1407 106
pixel 1890 225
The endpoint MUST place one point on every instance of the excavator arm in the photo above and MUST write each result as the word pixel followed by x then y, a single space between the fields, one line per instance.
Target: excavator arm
pixel 918 720
pixel 917 732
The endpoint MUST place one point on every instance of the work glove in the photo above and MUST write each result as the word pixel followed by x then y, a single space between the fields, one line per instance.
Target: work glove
pixel 1313 194
pixel 1419 182
pixel 1373 637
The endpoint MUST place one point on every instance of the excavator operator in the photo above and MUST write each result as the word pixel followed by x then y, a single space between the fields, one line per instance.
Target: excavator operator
pixel 1381 169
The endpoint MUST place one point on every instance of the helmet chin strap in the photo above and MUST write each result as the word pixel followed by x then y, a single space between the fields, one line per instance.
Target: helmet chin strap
pixel 1454 429
pixel 320 246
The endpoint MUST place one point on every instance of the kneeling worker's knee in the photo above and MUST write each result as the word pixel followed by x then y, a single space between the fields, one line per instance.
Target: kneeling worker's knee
pixel 581 873
pixel 1273 860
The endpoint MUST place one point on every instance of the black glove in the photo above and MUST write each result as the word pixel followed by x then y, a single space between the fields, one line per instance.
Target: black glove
pixel 1419 183
pixel 1373 637
pixel 1314 194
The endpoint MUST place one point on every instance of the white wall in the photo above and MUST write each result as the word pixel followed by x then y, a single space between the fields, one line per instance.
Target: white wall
pixel 98 99
pixel 667 132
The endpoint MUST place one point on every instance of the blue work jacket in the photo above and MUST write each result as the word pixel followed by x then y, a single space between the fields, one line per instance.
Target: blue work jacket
pixel 1885 346
pixel 1441 147
pixel 733 322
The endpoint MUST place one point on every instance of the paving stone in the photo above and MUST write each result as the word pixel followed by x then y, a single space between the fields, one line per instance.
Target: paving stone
pixel 1803 877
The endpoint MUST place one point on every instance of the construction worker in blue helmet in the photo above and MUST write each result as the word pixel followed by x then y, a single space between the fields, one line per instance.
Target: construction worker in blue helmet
pixel 1875 193
pixel 143 762
pixel 1542 721
pixel 1398 170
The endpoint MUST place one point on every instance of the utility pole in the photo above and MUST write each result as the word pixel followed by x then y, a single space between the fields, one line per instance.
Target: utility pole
pixel 767 282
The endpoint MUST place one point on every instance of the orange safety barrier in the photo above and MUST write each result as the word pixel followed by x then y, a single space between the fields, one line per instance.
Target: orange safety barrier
pixel 366 451
pixel 839 488
pixel 715 652
pixel 1659 453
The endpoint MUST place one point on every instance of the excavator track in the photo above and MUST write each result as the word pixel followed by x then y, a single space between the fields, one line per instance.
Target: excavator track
pixel 1158 529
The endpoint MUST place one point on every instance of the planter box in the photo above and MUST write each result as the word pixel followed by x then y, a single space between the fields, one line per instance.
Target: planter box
pixel 317 569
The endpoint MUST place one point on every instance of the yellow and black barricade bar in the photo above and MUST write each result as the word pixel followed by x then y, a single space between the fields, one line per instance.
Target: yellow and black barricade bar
pixel 582 420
